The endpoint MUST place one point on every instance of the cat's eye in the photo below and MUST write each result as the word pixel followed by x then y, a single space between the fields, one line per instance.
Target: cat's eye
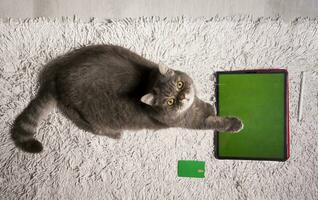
pixel 171 101
pixel 180 84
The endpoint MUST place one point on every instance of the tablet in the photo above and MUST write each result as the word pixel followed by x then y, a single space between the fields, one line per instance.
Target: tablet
pixel 260 99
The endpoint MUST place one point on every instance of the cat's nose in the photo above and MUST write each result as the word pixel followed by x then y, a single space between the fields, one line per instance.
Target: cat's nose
pixel 182 96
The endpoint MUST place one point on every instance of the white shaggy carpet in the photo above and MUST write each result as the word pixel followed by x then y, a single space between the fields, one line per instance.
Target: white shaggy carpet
pixel 143 165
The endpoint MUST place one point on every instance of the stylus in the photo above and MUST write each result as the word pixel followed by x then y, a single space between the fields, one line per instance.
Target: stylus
pixel 301 94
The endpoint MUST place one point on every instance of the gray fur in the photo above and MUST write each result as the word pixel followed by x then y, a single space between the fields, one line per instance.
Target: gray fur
pixel 107 89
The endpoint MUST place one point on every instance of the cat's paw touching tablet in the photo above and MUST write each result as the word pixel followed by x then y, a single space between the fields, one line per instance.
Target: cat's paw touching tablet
pixel 236 125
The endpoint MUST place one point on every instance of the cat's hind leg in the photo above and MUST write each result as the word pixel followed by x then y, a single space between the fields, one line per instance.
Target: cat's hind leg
pixel 114 134
pixel 76 117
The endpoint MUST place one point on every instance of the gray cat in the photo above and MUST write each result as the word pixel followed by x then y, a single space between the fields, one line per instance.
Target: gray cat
pixel 107 89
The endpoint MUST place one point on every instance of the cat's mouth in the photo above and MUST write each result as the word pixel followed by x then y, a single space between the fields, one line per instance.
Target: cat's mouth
pixel 186 98
pixel 187 101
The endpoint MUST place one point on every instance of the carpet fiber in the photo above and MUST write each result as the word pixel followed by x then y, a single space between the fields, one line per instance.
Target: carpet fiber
pixel 143 165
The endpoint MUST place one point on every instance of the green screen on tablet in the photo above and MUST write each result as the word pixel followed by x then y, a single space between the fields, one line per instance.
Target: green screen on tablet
pixel 260 100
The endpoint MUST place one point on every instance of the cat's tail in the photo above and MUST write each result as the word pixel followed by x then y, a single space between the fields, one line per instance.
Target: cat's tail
pixel 25 125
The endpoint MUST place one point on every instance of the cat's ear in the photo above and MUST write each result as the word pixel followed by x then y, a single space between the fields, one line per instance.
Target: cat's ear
pixel 164 70
pixel 148 99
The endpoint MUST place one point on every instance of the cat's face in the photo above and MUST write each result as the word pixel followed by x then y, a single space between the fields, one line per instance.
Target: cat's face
pixel 173 93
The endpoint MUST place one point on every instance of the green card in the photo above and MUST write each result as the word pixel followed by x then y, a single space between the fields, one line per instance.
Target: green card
pixel 260 100
pixel 191 168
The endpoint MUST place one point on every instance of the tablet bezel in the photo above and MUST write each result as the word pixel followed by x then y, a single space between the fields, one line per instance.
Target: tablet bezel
pixel 286 110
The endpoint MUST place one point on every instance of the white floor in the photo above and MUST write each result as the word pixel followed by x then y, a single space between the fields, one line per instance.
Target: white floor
pixel 288 10
pixel 143 165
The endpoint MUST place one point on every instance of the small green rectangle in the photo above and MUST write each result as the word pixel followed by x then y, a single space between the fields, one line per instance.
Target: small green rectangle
pixel 191 168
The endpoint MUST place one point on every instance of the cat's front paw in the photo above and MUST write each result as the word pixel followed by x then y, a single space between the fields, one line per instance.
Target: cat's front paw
pixel 236 125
